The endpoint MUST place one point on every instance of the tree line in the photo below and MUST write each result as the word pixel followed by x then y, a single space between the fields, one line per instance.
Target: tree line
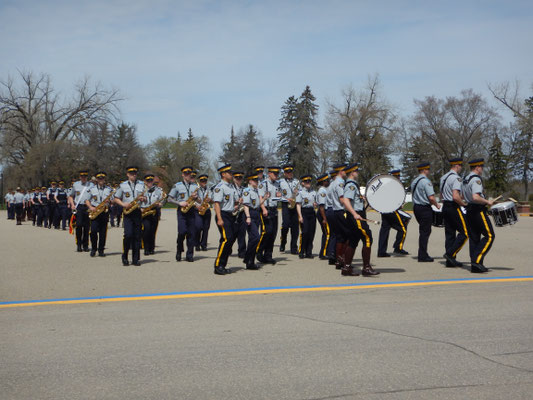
pixel 46 136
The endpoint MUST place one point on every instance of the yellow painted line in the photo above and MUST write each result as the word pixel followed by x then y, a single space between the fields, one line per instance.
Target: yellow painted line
pixel 260 291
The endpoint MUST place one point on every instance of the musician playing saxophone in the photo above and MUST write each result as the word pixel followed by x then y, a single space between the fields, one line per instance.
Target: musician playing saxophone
pixel 205 196
pixel 153 196
pixel 187 221
pixel 98 194
pixel 129 195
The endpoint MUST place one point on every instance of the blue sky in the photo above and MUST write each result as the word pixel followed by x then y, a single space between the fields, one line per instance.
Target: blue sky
pixel 209 65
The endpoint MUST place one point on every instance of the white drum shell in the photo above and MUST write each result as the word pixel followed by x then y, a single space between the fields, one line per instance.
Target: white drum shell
pixel 504 213
pixel 385 193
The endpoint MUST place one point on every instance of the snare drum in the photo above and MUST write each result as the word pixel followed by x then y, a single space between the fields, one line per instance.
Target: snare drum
pixel 504 213
pixel 438 218
pixel 385 193
pixel 406 218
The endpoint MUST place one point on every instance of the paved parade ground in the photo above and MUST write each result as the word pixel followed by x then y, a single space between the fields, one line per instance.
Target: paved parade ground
pixel 76 327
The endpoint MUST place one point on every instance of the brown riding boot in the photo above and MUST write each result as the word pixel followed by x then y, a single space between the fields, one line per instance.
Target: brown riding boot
pixel 340 255
pixel 348 255
pixel 348 270
pixel 367 268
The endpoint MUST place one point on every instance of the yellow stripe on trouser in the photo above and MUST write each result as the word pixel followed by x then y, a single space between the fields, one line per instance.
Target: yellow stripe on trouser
pixel 327 239
pixel 403 229
pixel 466 232
pixel 367 238
pixel 301 238
pixel 489 239
pixel 262 233
pixel 221 246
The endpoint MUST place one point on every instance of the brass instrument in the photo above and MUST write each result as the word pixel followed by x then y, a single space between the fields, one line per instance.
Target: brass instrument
pixel 292 199
pixel 135 203
pixel 190 202
pixel 238 210
pixel 205 205
pixel 151 209
pixel 102 207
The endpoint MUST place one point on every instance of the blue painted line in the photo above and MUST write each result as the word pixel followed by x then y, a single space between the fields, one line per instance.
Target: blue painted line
pixel 258 289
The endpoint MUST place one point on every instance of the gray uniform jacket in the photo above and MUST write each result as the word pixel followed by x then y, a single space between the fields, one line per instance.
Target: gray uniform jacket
pixel 80 189
pixel 306 198
pixel 322 197
pixel 250 197
pixel 18 198
pixel 287 188
pixel 272 187
pixel 337 191
pixel 153 195
pixel 98 194
pixel 128 191
pixel 224 193
pixel 448 183
pixel 352 192
pixel 472 184
pixel 181 191
pixel 422 190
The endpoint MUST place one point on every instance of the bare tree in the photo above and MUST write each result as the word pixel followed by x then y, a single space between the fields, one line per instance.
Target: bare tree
pixel 362 128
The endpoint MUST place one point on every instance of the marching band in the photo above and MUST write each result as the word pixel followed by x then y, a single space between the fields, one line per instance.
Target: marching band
pixel 246 211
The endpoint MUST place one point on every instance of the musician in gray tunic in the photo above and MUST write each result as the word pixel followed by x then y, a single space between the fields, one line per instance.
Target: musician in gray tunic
pixel 289 218
pixel 99 196
pixel 305 207
pixel 270 193
pixel 481 232
pixel 78 195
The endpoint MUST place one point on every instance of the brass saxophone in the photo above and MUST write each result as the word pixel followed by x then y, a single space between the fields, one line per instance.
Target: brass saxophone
pixel 135 203
pixel 190 202
pixel 151 209
pixel 205 205
pixel 238 210
pixel 292 199
pixel 102 207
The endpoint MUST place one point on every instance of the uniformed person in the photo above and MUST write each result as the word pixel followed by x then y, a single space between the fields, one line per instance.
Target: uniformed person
pixel 323 205
pixel 238 177
pixel 9 197
pixel 224 204
pixel 289 217
pixel 97 195
pixel 36 204
pixel 395 221
pixel 455 228
pixel 42 218
pixel 306 202
pixel 115 212
pixel 252 211
pixel 260 171
pixel 52 205
pixel 269 193
pixel 358 231
pixel 18 202
pixel 80 192
pixel 423 197
pixel 338 220
pixel 476 216
pixel 130 191
pixel 205 220
pixel 187 221
pixel 27 208
pixel 61 199
pixel 153 196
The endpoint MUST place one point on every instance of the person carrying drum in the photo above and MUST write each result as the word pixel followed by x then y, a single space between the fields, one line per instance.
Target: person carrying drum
pixel 397 222
pixel 476 216
pixel 423 198
pixel 455 228
pixel 358 227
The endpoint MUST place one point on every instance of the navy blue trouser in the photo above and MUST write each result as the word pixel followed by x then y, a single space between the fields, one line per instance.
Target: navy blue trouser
pixel 82 225
pixel 132 234
pixel 227 238
pixel 99 231
pixel 455 228
pixel 205 223
pixel 269 230
pixel 253 236
pixel 186 230
pixel 308 231
pixel 424 217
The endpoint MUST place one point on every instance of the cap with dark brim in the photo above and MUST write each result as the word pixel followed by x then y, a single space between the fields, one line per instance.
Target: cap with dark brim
pixel 186 169
pixel 43 188
pixel 252 177
pixel 203 177
pixel 238 174
pixel 148 177
pixel 395 172
pixel 132 168
pixel 225 168
pixel 259 168
pixel 61 182
pixel 306 178
pixel 456 161
pixel 53 183
pixel 339 167
pixel 194 173
pixel 288 168
pixel 84 172
pixel 422 166
pixel 322 178
pixel 273 169
pixel 351 168
pixel 476 162
pixel 101 174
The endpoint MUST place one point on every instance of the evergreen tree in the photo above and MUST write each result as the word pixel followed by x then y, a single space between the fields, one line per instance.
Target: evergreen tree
pixel 288 130
pixel 497 182
pixel 251 149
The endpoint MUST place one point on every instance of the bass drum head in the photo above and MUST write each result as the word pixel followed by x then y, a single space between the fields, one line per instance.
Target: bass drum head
pixel 385 193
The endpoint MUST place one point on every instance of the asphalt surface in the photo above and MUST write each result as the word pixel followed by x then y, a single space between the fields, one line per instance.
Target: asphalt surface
pixel 460 341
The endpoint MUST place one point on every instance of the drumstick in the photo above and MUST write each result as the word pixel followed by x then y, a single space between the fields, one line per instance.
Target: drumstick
pixel 497 198
pixel 372 221
pixel 513 200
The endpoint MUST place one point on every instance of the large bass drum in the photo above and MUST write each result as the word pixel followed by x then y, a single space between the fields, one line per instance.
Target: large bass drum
pixel 385 193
